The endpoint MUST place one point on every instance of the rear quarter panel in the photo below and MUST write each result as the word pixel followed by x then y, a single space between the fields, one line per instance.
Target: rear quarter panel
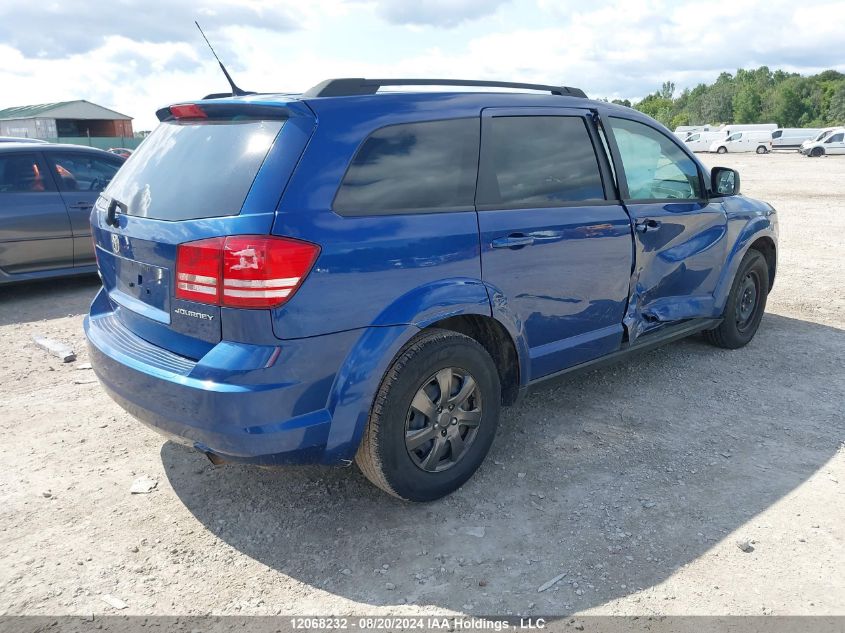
pixel 372 270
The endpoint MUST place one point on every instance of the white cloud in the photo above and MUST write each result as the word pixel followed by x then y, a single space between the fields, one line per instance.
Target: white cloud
pixel 445 13
pixel 57 29
pixel 623 48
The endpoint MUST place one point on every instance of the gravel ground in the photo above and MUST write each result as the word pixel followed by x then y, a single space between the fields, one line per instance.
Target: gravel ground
pixel 639 481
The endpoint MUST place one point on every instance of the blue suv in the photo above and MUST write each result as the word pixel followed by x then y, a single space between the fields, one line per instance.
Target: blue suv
pixel 346 275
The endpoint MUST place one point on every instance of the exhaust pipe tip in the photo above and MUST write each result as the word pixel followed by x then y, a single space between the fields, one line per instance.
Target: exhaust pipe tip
pixel 215 459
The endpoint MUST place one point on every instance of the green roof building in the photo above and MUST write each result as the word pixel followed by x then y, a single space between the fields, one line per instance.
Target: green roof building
pixel 64 121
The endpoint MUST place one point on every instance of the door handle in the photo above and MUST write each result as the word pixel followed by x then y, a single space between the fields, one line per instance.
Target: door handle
pixel 515 240
pixel 644 226
pixel 81 205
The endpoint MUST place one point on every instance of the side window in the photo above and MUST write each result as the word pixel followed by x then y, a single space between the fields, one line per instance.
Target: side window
pixel 82 172
pixel 22 173
pixel 836 138
pixel 538 161
pixel 655 168
pixel 413 167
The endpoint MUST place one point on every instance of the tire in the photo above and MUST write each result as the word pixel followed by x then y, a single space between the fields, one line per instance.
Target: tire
pixel 435 463
pixel 817 152
pixel 739 323
pixel 722 150
pixel 762 150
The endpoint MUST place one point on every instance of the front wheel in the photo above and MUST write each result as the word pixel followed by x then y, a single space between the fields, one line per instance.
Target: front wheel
pixel 433 419
pixel 817 152
pixel 722 150
pixel 746 304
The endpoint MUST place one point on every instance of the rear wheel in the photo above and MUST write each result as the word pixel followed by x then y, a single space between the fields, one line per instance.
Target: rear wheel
pixel 762 150
pixel 433 419
pixel 817 152
pixel 746 304
pixel 722 150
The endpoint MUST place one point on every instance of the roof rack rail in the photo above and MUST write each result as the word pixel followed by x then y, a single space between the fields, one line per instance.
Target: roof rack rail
pixel 349 86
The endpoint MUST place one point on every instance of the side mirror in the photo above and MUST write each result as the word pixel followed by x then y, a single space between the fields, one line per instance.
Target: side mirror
pixel 724 181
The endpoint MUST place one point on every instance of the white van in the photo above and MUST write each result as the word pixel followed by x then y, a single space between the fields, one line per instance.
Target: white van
pixel 701 141
pixel 833 143
pixel 686 129
pixel 760 142
pixel 792 137
pixel 822 135
pixel 748 127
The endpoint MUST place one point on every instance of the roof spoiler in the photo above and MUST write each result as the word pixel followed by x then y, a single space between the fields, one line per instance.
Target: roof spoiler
pixel 228 110
pixel 349 86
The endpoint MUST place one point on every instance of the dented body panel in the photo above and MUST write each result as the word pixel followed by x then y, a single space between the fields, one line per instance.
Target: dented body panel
pixel 677 264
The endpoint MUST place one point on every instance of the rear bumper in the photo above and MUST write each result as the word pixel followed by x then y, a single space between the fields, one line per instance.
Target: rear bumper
pixel 248 403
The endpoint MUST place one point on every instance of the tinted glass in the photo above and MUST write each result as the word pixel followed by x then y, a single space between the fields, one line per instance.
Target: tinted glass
pixel 836 138
pixel 83 172
pixel 539 161
pixel 21 173
pixel 655 168
pixel 188 170
pixel 428 166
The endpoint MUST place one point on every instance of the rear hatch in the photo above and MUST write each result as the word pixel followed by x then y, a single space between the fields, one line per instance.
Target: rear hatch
pixel 209 170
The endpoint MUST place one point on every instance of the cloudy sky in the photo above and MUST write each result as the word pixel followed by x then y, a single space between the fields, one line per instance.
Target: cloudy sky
pixel 137 55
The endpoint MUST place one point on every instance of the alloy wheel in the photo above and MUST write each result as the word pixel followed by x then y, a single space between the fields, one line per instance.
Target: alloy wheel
pixel 443 419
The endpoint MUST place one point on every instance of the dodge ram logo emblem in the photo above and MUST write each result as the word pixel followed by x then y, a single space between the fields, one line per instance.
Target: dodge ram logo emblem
pixel 115 243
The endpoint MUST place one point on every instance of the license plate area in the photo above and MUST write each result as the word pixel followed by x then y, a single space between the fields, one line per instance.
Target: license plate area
pixel 142 288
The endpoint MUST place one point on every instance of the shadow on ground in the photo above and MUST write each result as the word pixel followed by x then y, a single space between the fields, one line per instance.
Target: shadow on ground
pixel 43 300
pixel 618 477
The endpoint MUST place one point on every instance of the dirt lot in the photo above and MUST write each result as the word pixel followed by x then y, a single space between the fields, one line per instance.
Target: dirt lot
pixel 637 481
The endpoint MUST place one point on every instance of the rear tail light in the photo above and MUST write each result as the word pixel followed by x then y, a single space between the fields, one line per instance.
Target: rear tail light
pixel 198 270
pixel 243 271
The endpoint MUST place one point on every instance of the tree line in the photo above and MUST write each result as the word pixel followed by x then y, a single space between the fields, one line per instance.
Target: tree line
pixel 751 96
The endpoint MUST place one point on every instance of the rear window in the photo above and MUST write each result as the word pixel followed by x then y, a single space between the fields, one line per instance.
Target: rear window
pixel 22 173
pixel 189 170
pixel 414 167
pixel 538 161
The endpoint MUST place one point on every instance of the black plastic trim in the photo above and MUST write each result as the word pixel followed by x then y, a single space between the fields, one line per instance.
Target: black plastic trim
pixel 645 342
